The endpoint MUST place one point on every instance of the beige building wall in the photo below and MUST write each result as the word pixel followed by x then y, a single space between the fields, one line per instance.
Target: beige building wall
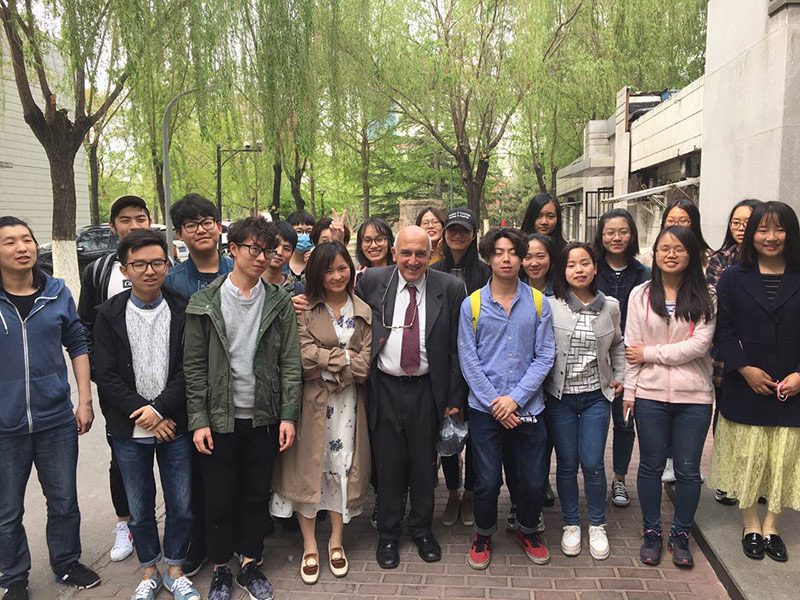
pixel 25 189
pixel 751 128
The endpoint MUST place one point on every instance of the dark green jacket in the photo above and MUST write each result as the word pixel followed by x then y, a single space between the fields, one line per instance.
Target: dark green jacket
pixel 206 364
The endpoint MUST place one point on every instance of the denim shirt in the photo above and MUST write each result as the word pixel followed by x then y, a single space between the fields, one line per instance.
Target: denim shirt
pixel 511 354
pixel 186 279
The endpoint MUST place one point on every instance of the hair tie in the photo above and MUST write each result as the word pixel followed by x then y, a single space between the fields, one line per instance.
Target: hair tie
pixel 781 397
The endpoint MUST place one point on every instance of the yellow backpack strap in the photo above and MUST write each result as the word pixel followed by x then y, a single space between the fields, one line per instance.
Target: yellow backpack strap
pixel 537 301
pixel 475 303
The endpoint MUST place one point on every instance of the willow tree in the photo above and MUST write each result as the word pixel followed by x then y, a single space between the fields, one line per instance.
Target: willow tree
pixel 76 36
pixel 469 60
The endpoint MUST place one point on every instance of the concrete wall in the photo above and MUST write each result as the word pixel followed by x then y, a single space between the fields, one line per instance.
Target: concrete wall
pixel 671 129
pixel 751 123
pixel 25 189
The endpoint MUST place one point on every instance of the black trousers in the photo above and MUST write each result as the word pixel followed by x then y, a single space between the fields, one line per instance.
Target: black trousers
pixel 118 497
pixel 236 478
pixel 404 444
pixel 198 501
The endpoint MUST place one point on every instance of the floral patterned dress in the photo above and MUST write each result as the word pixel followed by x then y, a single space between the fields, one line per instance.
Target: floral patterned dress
pixel 340 434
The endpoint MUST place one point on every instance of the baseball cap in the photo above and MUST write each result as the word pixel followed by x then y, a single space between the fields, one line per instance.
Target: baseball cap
pixel 461 216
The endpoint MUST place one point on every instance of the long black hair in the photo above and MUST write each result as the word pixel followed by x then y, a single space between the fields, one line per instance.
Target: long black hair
pixel 321 260
pixel 560 286
pixel 694 214
pixel 784 216
pixel 729 240
pixel 382 227
pixel 694 300
pixel 535 206
pixel 633 245
pixel 550 247
pixel 9 221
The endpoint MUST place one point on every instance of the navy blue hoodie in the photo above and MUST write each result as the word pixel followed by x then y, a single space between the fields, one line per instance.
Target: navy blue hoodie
pixel 35 389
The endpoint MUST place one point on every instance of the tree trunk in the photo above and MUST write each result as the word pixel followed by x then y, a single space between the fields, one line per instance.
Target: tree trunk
pixel 298 197
pixel 158 173
pixel 539 170
pixel 62 178
pixel 473 184
pixel 277 171
pixel 365 187
pixel 94 183
pixel 437 177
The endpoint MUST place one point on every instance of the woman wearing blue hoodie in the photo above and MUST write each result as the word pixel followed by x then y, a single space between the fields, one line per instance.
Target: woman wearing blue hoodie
pixel 38 320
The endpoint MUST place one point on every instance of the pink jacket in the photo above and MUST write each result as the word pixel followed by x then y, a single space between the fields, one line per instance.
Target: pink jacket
pixel 677 365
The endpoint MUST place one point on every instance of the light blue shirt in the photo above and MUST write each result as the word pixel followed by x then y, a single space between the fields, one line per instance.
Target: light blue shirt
pixel 511 354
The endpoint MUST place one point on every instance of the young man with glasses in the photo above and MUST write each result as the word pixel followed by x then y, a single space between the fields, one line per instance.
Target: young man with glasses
pixel 243 385
pixel 139 367
pixel 197 224
pixel 103 279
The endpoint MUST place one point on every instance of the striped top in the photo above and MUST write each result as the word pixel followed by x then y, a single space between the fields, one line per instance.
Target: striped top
pixel 771 285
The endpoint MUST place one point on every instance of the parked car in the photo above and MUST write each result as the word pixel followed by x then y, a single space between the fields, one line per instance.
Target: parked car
pixel 95 241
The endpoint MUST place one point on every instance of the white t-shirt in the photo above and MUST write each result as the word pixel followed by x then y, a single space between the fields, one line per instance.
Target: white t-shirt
pixel 118 282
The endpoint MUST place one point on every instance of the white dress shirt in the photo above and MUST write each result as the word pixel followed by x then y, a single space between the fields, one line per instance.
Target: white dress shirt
pixel 389 357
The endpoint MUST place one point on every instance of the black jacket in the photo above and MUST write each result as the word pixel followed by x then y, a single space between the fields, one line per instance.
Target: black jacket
pixel 475 279
pixel 621 287
pixel 94 291
pixel 443 296
pixel 751 333
pixel 116 381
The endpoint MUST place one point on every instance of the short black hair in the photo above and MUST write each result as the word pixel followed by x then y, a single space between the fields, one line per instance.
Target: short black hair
pixel 10 221
pixel 300 217
pixel 287 232
pixel 140 238
pixel 515 236
pixel 258 229
pixel 633 246
pixel 786 217
pixel 127 201
pixel 192 207
pixel 321 259
pixel 382 227
pixel 690 208
pixel 323 224
pixel 560 285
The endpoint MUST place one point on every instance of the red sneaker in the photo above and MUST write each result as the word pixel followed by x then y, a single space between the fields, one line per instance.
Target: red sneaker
pixel 534 548
pixel 480 555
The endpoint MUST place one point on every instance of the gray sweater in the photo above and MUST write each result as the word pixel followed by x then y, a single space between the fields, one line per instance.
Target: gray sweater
pixel 242 318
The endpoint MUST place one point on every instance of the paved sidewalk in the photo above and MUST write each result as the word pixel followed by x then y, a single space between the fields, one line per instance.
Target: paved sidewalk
pixel 511 574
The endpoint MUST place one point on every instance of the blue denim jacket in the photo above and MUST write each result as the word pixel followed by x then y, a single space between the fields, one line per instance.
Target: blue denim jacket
pixel 35 388
pixel 511 354
pixel 185 279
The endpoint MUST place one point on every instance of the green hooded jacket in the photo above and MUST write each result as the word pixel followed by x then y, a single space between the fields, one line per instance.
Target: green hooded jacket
pixel 206 363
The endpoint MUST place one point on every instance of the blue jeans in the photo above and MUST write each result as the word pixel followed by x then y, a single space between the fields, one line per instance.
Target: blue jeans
pixel 55 453
pixel 684 428
pixel 528 442
pixel 624 436
pixel 579 426
pixel 175 467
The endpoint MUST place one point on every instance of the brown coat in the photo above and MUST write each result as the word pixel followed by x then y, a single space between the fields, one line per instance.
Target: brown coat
pixel 298 471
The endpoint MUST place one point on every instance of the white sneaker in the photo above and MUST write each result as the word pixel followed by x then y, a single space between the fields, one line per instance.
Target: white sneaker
pixel 598 542
pixel 571 540
pixel 668 476
pixel 123 544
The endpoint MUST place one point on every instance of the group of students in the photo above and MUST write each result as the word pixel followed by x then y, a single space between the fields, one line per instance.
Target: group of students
pixel 284 381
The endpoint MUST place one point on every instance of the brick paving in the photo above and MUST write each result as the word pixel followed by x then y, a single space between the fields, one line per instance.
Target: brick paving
pixel 511 575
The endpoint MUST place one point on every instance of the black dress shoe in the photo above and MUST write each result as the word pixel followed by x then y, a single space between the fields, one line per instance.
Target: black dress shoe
pixel 428 548
pixel 753 545
pixel 549 495
pixel 775 548
pixel 387 555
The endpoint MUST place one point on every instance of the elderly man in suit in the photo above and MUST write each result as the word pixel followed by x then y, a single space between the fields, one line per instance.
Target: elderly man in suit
pixel 415 381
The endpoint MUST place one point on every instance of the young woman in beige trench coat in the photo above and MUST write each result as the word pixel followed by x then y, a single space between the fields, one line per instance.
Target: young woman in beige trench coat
pixel 328 467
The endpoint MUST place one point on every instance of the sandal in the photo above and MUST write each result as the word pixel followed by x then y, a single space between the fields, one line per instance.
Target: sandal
pixel 337 561
pixel 309 569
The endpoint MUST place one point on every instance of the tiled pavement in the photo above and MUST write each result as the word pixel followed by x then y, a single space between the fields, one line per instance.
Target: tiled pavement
pixel 511 574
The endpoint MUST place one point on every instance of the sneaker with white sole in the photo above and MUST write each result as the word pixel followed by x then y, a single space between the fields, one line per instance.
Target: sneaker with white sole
pixel 253 581
pixel 668 476
pixel 123 542
pixel 540 525
pixel 181 587
pixel 598 542
pixel 148 588
pixel 571 540
pixel 619 493
pixel 511 519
